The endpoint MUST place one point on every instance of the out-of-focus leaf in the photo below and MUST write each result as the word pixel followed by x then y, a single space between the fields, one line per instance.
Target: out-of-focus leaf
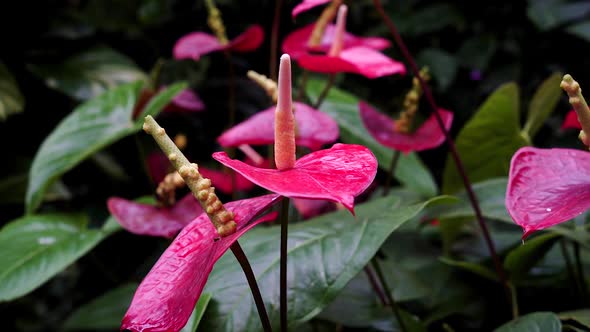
pixel 35 248
pixel 325 253
pixel 488 140
pixel 547 15
pixel 11 99
pixel 537 321
pixel 89 128
pixel 343 107
pixel 543 103
pixel 423 20
pixel 443 66
pixel 581 30
pixel 520 260
pixel 476 53
pixel 104 312
pixel 89 74
pixel 109 165
pixel 198 312
pixel 581 316
pixel 472 267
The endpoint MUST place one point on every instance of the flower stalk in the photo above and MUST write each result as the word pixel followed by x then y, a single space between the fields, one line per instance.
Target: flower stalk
pixel 315 39
pixel 576 99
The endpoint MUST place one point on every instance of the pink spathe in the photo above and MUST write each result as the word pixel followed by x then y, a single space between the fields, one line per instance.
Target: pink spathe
pixel 306 5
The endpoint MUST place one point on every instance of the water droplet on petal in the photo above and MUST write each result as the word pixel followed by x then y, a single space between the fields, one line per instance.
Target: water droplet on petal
pixel 548 209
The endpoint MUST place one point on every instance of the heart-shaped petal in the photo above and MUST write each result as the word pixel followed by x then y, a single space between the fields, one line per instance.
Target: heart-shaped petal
pixel 248 40
pixel 146 219
pixel 314 129
pixel 166 297
pixel 223 181
pixel 337 174
pixel 547 187
pixel 295 44
pixel 357 60
pixel 196 44
pixel 427 136
pixel 571 121
pixel 306 5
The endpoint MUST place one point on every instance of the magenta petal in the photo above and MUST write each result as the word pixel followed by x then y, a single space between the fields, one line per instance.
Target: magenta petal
pixel 186 100
pixel 167 295
pixel 158 166
pixel 249 40
pixel 571 121
pixel 223 181
pixel 381 127
pixel 306 5
pixel 145 219
pixel 312 207
pixel 295 44
pixel 336 174
pixel 196 44
pixel 547 187
pixel 314 129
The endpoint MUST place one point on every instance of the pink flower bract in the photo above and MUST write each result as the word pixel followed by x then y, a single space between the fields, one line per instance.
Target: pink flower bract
pixel 145 219
pixel 187 101
pixel 571 121
pixel 167 295
pixel 223 182
pixel 547 187
pixel 336 174
pixel 427 136
pixel 306 5
pixel 314 129
pixel 196 44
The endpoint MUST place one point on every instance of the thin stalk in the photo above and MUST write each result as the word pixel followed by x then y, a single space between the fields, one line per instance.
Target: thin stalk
pixel 274 40
pixel 452 148
pixel 580 273
pixel 375 285
pixel 513 301
pixel 571 273
pixel 392 166
pixel 302 86
pixel 284 216
pixel 247 268
pixel 388 294
pixel 324 92
pixel 231 115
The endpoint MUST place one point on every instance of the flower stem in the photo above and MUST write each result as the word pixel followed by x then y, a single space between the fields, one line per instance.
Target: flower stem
pixel 513 301
pixel 284 217
pixel 571 273
pixel 375 285
pixel 274 40
pixel 324 92
pixel 452 148
pixel 247 268
pixel 580 273
pixel 388 294
pixel 302 86
pixel 392 166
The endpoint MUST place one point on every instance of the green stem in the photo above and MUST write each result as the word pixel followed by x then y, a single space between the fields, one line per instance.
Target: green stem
pixel 392 166
pixel 324 92
pixel 284 217
pixel 375 285
pixel 388 294
pixel 302 86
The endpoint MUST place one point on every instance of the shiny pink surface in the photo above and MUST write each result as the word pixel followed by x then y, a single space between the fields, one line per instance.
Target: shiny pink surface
pixel 167 295
pixel 145 219
pixel 314 129
pixel 571 121
pixel 337 174
pixel 196 44
pixel 223 182
pixel 427 136
pixel 547 187
pixel 306 5
pixel 295 44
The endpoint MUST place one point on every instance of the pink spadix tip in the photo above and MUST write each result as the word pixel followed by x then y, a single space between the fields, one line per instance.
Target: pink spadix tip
pixel 284 118
pixel 338 42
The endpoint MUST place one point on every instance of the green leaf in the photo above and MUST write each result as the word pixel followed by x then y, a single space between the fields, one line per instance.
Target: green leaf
pixel 543 103
pixel 89 74
pixel 198 312
pixel 488 141
pixel 324 254
pixel 520 260
pixel 547 15
pixel 343 107
pixel 581 30
pixel 11 99
pixel 35 248
pixel 443 66
pixel 538 322
pixel 478 269
pixel 429 19
pixel 92 126
pixel 581 316
pixel 476 52
pixel 104 312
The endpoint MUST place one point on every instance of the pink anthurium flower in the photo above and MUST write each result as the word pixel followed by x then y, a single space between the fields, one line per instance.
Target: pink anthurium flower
pixel 306 5
pixel 196 44
pixel 547 187
pixel 146 219
pixel 382 128
pixel 167 295
pixel 314 129
pixel 223 180
pixel 571 121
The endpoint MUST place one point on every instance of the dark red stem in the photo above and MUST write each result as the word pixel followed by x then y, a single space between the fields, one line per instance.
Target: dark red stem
pixel 274 40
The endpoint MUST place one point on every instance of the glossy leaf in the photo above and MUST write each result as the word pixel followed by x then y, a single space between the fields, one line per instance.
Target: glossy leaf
pixel 475 268
pixel 581 316
pixel 35 248
pixel 343 107
pixel 543 103
pixel 325 253
pixel 520 260
pixel 581 30
pixel 11 99
pixel 306 5
pixel 168 294
pixel 337 174
pixel 488 140
pixel 92 126
pixel 89 74
pixel 537 321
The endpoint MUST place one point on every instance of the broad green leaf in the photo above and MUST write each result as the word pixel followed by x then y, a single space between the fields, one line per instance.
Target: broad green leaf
pixel 11 99
pixel 198 312
pixel 102 313
pixel 476 52
pixel 488 140
pixel 475 268
pixel 343 107
pixel 537 321
pixel 429 19
pixel 520 260
pixel 543 103
pixel 37 247
pixel 581 30
pixel 550 14
pixel 91 127
pixel 442 65
pixel 89 74
pixel 324 254
pixel 581 316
